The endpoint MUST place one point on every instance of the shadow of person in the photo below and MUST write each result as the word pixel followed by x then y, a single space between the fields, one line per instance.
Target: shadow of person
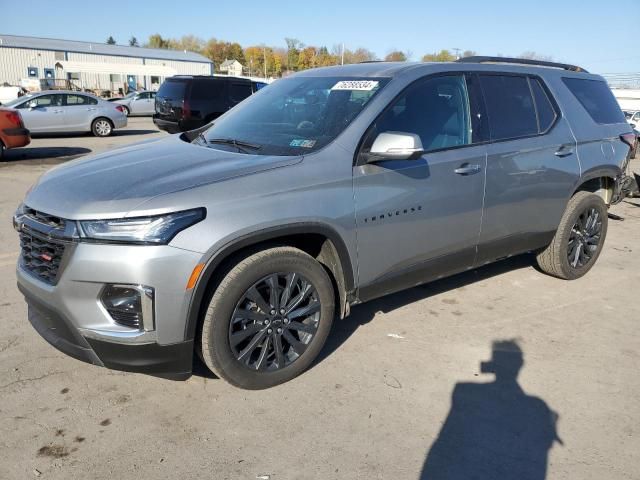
pixel 494 430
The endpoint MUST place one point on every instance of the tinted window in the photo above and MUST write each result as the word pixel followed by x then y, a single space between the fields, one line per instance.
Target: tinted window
pixel 207 89
pixel 172 89
pixel 239 91
pixel 509 106
pixel 597 99
pixel 437 110
pixel 546 112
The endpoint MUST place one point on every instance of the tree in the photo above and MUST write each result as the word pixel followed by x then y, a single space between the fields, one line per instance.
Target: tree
pixel 441 56
pixel 358 56
pixel 111 40
pixel 468 53
pixel 396 56
pixel 156 41
pixel 293 50
pixel 133 42
pixel 535 56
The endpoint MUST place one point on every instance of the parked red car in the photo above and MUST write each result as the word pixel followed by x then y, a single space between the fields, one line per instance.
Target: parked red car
pixel 12 131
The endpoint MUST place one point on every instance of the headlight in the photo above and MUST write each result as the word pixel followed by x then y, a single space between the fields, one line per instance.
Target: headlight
pixel 157 229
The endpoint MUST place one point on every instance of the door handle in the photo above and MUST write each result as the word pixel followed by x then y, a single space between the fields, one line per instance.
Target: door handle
pixel 563 152
pixel 467 169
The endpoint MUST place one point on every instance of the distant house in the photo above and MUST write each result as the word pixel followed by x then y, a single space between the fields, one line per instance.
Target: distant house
pixel 231 67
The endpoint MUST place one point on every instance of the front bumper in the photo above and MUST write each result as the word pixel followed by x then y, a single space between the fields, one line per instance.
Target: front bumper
pixel 69 314
pixel 167 361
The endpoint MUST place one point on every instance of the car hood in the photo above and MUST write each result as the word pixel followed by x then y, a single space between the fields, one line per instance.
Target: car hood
pixel 114 183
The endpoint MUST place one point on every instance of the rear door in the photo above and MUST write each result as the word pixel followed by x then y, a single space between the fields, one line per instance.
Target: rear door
pixel 532 165
pixel 419 219
pixel 79 112
pixel 238 91
pixel 46 116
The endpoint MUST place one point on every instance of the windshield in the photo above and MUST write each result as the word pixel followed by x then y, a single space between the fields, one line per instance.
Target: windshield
pixel 295 116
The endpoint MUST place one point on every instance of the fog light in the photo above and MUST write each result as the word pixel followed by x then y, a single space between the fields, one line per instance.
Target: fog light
pixel 130 305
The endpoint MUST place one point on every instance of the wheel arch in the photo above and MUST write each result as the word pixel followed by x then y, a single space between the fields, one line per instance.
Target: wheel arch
pixel 319 240
pixel 601 181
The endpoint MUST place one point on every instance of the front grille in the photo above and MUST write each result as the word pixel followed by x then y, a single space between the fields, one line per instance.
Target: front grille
pixel 45 218
pixel 41 256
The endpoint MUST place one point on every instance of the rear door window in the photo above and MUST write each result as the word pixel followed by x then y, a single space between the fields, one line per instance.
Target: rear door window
pixel 207 89
pixel 596 98
pixel 546 112
pixel 510 106
pixel 239 91
pixel 80 100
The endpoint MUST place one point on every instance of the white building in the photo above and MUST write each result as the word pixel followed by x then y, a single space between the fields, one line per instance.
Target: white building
pixel 629 99
pixel 233 68
pixel 42 62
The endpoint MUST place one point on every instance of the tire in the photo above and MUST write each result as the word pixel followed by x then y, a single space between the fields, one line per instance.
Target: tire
pixel 3 150
pixel 102 127
pixel 578 241
pixel 125 110
pixel 224 323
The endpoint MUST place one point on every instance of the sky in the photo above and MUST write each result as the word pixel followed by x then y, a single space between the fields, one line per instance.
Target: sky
pixel 598 35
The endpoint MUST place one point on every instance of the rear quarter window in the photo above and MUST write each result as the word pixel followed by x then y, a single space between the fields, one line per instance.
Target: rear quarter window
pixel 207 89
pixel 597 99
pixel 173 89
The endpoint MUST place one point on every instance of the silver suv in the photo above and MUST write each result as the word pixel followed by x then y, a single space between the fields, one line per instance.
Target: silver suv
pixel 244 239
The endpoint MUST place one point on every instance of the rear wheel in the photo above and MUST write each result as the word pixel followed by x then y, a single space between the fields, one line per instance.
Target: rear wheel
pixel 268 319
pixel 579 239
pixel 102 127
pixel 2 151
pixel 125 110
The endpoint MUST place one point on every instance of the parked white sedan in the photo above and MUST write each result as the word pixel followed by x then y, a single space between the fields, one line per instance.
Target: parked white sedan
pixel 56 111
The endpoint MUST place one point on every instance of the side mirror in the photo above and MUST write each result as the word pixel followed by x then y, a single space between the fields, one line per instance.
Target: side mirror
pixel 395 146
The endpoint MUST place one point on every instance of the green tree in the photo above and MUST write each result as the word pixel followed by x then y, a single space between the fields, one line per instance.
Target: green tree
pixel 441 56
pixel 156 41
pixel 293 51
pixel 133 42
pixel 396 56
pixel 111 40
pixel 468 53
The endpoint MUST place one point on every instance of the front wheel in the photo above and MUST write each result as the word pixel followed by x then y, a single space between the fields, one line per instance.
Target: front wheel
pixel 268 319
pixel 102 127
pixel 579 239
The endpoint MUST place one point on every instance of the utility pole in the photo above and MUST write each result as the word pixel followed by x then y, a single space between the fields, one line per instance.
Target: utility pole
pixel 457 51
pixel 264 60
pixel 342 55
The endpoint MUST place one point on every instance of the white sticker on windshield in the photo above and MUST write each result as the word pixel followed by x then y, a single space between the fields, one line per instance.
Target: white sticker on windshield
pixel 365 85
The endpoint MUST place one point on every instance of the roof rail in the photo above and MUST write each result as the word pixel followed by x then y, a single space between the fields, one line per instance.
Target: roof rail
pixel 521 61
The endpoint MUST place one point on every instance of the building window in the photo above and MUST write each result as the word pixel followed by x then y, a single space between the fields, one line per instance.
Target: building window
pixel 115 78
pixel 74 76
pixel 32 72
pixel 155 80
pixel 49 73
pixel 59 56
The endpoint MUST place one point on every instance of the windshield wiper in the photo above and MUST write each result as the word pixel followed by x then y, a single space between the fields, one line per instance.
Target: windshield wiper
pixel 239 144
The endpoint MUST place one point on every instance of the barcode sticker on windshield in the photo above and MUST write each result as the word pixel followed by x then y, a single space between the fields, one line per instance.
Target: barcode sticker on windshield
pixel 365 85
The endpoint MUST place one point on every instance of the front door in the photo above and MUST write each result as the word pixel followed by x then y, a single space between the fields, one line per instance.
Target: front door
pixel 142 104
pixel 420 219
pixel 43 113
